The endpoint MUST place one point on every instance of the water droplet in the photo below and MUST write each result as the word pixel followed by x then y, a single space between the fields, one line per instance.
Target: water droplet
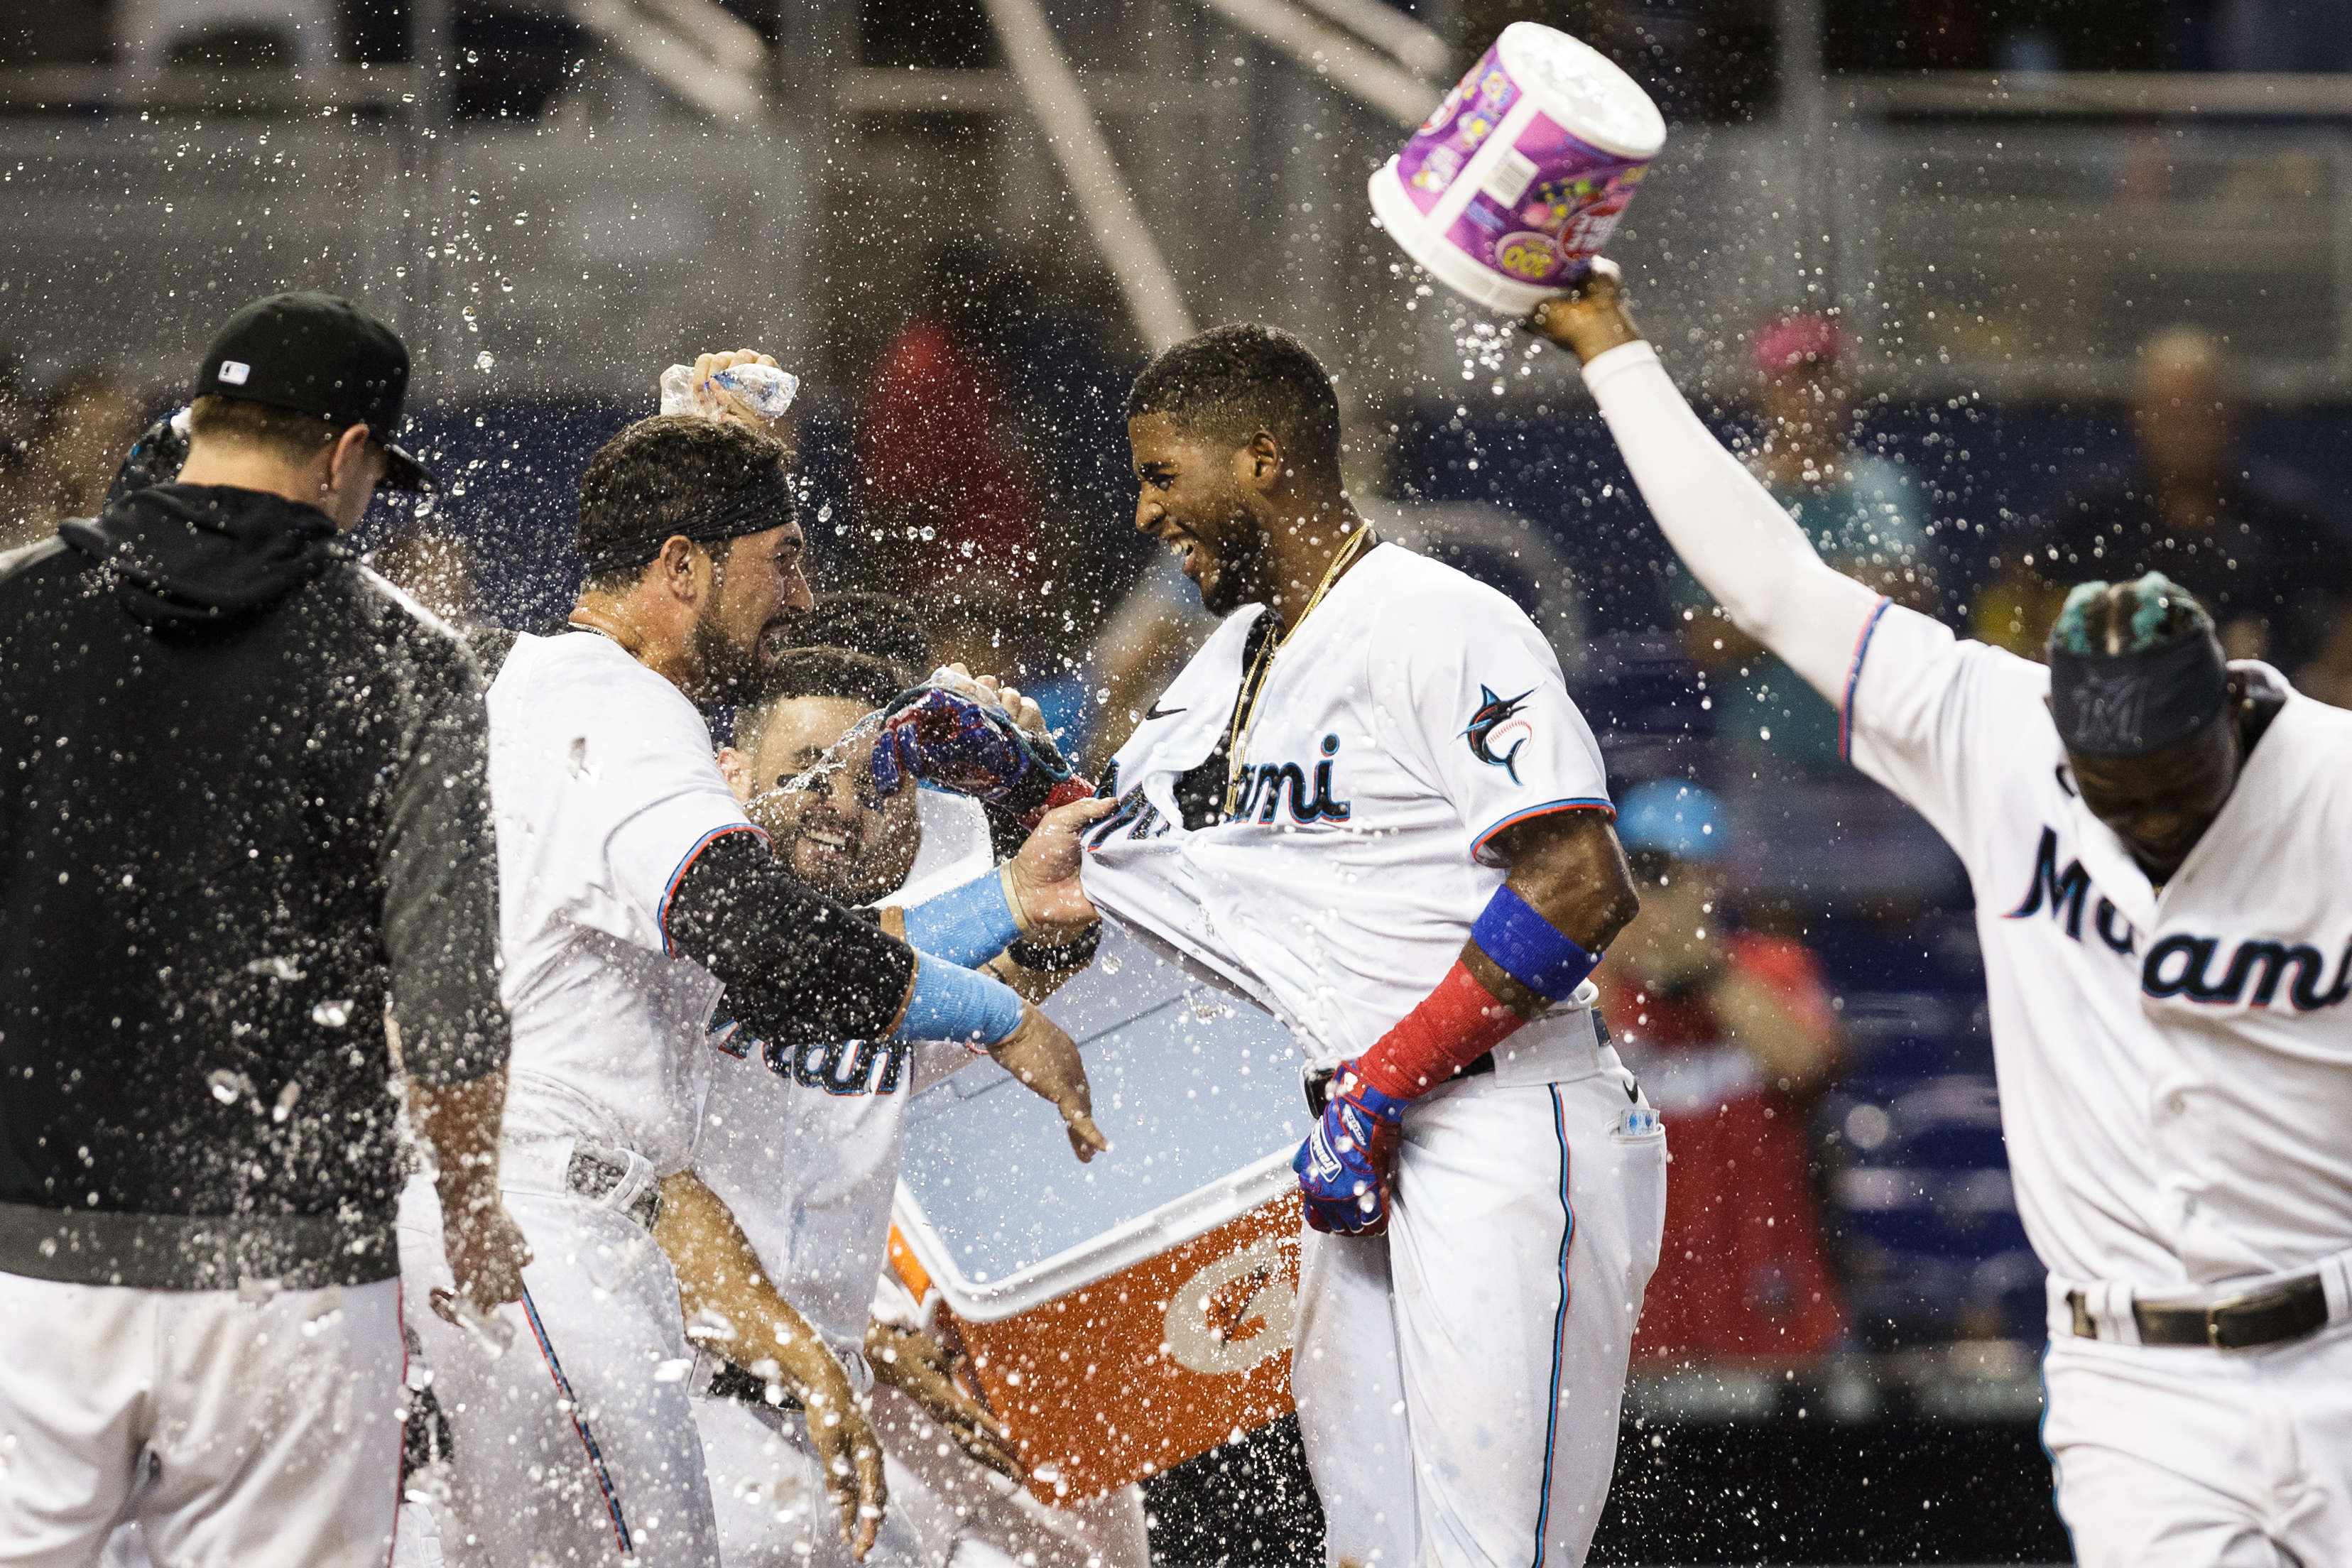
pixel 483 361
pixel 333 1013
pixel 223 1084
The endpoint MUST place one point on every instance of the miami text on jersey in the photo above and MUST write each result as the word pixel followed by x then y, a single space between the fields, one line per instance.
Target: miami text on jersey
pixel 1263 786
pixel 1495 732
pixel 835 1066
pixel 2184 964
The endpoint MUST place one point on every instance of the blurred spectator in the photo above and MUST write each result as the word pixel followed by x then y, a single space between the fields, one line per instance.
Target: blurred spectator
pixel 1860 512
pixel 1732 1035
pixel 2282 36
pixel 2259 545
pixel 83 429
pixel 938 465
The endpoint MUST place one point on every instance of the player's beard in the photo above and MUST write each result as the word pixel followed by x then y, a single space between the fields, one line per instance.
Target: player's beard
pixel 1243 569
pixel 733 669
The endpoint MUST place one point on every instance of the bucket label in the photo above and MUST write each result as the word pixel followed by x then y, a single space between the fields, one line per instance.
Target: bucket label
pixel 1457 129
pixel 1560 215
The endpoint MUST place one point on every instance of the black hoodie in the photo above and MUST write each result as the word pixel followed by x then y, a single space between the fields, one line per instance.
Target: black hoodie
pixel 244 800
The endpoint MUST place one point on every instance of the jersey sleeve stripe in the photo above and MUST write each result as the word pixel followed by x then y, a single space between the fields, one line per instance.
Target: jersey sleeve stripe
pixel 1579 803
pixel 670 892
pixel 1853 679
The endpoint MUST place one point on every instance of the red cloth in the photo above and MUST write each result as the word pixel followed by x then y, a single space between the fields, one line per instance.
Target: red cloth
pixel 931 449
pixel 1743 1272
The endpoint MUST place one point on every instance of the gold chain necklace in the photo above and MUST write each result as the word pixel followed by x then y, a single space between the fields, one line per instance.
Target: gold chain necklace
pixel 1253 690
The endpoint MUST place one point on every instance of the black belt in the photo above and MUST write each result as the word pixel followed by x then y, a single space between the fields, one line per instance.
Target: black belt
pixel 593 1177
pixel 2274 1317
pixel 1317 1084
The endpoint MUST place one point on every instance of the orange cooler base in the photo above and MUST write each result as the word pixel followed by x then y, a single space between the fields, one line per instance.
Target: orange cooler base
pixel 1152 1366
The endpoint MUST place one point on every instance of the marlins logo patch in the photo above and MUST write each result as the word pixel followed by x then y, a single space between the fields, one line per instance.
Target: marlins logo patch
pixel 1496 732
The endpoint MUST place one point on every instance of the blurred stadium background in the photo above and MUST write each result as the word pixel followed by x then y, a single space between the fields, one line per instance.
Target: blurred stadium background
pixel 966 223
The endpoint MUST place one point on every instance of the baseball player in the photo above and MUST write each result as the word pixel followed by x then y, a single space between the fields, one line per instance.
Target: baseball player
pixel 633 889
pixel 1369 804
pixel 245 809
pixel 2159 845
pixel 801 1136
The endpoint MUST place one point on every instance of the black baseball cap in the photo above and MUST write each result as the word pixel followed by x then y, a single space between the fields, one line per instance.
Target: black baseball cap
pixel 316 353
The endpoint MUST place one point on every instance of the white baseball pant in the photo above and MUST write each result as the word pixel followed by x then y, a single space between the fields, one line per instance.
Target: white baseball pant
pixel 2179 1457
pixel 248 1429
pixel 1459 1379
pixel 978 1518
pixel 767 1489
pixel 576 1446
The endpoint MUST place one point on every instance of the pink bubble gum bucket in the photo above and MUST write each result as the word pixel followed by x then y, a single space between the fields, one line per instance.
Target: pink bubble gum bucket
pixel 1516 181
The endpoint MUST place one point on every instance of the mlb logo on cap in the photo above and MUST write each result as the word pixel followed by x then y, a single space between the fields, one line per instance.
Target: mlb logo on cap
pixel 317 354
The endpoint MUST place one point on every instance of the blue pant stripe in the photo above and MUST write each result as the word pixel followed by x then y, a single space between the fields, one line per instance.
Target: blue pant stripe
pixel 1559 1325
pixel 578 1425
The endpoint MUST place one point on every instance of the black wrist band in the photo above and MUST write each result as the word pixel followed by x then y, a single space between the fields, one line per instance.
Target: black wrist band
pixel 1047 958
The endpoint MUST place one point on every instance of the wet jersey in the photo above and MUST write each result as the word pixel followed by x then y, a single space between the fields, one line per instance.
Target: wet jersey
pixel 801 1140
pixel 605 788
pixel 1413 716
pixel 2175 1063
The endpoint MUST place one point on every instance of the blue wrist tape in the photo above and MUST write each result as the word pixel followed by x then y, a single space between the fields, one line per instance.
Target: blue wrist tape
pixel 966 925
pixel 1529 948
pixel 952 1004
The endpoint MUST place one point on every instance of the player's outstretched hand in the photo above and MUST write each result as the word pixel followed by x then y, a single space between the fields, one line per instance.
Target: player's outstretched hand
pixel 487 1256
pixel 1591 317
pixel 917 1366
pixel 1347 1163
pixel 1026 714
pixel 1046 1060
pixel 1046 873
pixel 846 1448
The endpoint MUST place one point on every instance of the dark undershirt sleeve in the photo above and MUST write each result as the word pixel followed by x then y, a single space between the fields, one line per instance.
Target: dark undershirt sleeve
pixel 439 867
pixel 796 965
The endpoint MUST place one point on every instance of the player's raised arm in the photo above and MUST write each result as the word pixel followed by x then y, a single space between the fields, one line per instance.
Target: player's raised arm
pixel 1735 538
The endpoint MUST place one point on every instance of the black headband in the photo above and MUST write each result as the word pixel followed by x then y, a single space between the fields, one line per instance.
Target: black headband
pixel 755 509
pixel 2128 704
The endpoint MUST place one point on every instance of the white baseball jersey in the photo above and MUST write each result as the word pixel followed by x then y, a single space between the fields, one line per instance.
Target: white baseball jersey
pixel 803 1141
pixel 2175 1064
pixel 1458 1378
pixel 1415 715
pixel 605 787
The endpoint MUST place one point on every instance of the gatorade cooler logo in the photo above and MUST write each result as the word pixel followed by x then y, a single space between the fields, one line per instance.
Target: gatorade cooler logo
pixel 1234 1313
pixel 1527 255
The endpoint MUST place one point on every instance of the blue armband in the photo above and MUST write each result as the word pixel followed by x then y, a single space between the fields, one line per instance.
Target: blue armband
pixel 961 1005
pixel 1529 948
pixel 966 925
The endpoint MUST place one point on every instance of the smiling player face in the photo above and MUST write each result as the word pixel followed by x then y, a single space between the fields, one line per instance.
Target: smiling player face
pixel 838 835
pixel 1193 501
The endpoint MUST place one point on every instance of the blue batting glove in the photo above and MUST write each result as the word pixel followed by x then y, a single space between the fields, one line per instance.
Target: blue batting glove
pixel 1347 1163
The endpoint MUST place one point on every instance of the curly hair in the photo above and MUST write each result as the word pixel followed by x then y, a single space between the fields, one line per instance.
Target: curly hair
pixel 1230 383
